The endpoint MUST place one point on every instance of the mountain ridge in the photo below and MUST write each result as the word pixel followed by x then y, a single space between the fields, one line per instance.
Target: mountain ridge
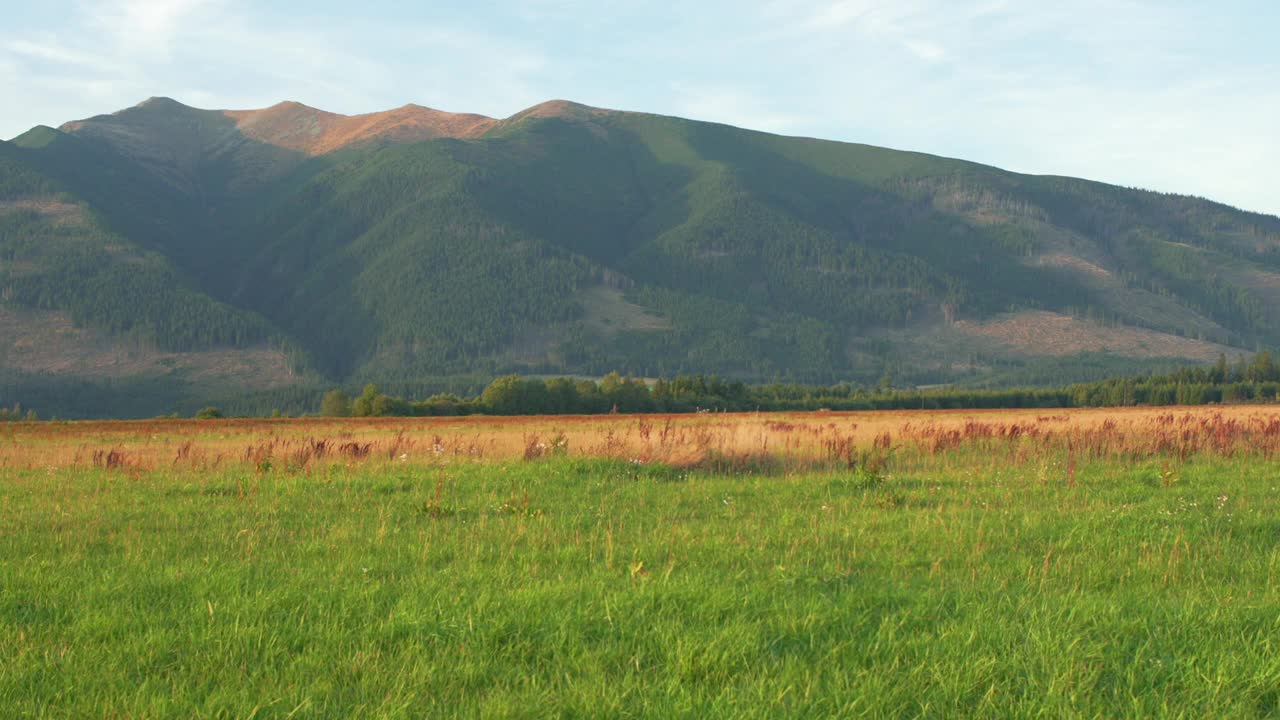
pixel 296 126
pixel 379 124
pixel 414 243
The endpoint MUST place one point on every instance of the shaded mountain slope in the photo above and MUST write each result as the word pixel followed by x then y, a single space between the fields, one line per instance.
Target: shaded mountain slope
pixel 81 303
pixel 570 239
pixel 58 255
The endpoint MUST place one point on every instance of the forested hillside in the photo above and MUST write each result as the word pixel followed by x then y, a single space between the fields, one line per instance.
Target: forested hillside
pixel 79 302
pixel 415 245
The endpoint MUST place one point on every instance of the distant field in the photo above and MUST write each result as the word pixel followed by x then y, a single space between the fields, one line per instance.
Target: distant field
pixel 936 564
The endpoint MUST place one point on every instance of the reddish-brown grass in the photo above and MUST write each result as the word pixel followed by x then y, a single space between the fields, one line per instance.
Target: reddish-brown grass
pixel 719 440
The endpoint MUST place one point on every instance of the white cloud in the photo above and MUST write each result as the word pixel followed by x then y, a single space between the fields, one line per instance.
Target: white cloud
pixel 145 26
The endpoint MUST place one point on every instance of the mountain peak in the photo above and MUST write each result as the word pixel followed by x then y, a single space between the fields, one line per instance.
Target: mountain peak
pixel 162 103
pixel 316 132
pixel 37 137
pixel 296 126
pixel 564 109
pixel 289 106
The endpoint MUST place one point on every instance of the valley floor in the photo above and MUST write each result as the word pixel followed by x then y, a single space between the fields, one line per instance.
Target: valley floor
pixel 985 564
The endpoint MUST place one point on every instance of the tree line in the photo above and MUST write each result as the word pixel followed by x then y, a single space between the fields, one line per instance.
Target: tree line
pixel 1254 381
pixel 1247 381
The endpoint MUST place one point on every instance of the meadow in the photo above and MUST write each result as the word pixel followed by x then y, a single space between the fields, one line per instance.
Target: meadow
pixel 1084 563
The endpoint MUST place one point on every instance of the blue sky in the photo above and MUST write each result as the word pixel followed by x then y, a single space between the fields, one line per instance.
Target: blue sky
pixel 1179 95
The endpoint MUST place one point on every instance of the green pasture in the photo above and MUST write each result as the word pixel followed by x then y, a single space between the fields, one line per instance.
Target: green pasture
pixel 958 585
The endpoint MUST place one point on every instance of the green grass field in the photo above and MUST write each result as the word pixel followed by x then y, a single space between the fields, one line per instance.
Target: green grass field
pixel 949 584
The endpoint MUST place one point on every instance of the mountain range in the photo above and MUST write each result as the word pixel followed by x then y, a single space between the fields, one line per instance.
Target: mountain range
pixel 177 255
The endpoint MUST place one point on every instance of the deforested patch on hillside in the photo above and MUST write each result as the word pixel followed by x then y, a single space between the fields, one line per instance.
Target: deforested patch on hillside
pixel 1074 263
pixel 1127 302
pixel 52 209
pixel 1053 334
pixel 606 310
pixel 47 342
pixel 606 316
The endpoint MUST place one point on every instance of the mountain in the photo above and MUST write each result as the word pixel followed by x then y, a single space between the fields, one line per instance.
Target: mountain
pixel 287 247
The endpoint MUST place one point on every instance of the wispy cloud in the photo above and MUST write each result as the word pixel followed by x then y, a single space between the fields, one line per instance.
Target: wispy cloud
pixel 50 50
pixel 225 53
pixel 146 27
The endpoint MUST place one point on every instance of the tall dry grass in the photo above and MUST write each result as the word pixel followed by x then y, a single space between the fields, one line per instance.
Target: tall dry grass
pixel 727 442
